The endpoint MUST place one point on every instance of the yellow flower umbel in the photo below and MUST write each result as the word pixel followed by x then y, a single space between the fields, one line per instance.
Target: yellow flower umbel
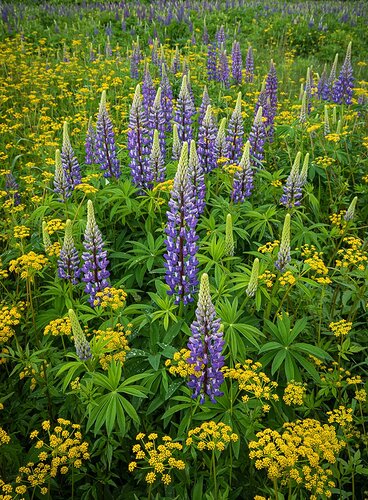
pixel 60 326
pixel 294 393
pixel 342 416
pixel 115 344
pixel 299 455
pixel 341 328
pixel 110 297
pixel 179 365
pixel 352 257
pixel 211 436
pixel 9 317
pixel 315 262
pixel 28 265
pixel 158 458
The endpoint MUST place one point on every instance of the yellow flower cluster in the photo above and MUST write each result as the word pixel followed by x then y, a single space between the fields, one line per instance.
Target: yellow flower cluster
pixel 253 381
pixel 315 262
pixel 60 326
pixel 86 188
pixel 324 161
pixel 54 249
pixel 341 328
pixel 179 365
pixel 361 395
pixel 4 437
pixel 269 246
pixel 287 278
pixel 231 168
pixel 342 416
pixel 28 264
pixel 332 138
pixel 338 220
pixel 299 455
pixel 158 458
pixel 268 278
pixel 59 450
pixel 352 256
pixel 294 393
pixel 276 183
pixel 211 436
pixel 21 232
pixel 111 297
pixel 9 317
pixel 54 225
pixel 165 186
pixel 115 344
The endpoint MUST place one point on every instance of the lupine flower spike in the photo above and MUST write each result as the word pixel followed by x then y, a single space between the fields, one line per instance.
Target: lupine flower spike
pixel 253 282
pixel 69 262
pixel 196 175
pixel 156 161
pixel 234 139
pixel 207 142
pixel 283 257
pixel 342 91
pixel 249 66
pixel 223 74
pixel 176 147
pixel 156 121
pixel 204 105
pixel 90 144
pixel 166 99
pixel 106 155
pixel 94 269
pixel 184 113
pixel 331 79
pixel 69 160
pixel 205 345
pixel 303 109
pixel 350 212
pixel 45 237
pixel 257 138
pixel 293 189
pixel 61 186
pixel 229 236
pixel 326 125
pixel 12 188
pixel 271 91
pixel 243 179
pixel 180 259
pixel 237 63
pixel 303 177
pixel 82 346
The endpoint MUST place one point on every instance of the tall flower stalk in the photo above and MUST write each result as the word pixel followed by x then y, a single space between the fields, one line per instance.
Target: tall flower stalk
pixel 234 138
pixel 184 113
pixel 243 179
pixel 207 142
pixel 293 187
pixel 237 63
pixel 257 139
pixel 342 91
pixel 82 346
pixel 284 257
pixel 206 345
pixel 196 175
pixel 69 160
pixel 61 185
pixel 69 262
pixel 90 144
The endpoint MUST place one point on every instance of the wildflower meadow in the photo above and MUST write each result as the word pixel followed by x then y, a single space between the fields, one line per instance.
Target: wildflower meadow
pixel 183 250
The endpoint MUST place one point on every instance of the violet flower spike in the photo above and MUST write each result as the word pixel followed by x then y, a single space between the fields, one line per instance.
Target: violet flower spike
pixel 94 269
pixel 343 87
pixel 293 187
pixel 271 91
pixel 206 101
pixel 105 150
pixel 196 175
pixel 69 262
pixel 156 161
pixel 237 63
pixel 257 139
pixel 90 144
pixel 69 160
pixel 212 62
pixel 61 185
pixel 249 66
pixel 166 100
pixel 207 134
pixel 12 189
pixel 243 179
pixel 184 113
pixel 234 138
pixel 223 74
pixel 206 345
pixel 180 258
pixel 148 91
pixel 156 121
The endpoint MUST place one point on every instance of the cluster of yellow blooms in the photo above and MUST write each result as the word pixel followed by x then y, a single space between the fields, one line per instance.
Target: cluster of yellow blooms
pixel 21 232
pixel 294 393
pixel 111 297
pixel 54 225
pixel 324 161
pixel 211 436
pixel 179 364
pixel 165 186
pixel 287 278
pixel 115 340
pixel 9 317
pixel 299 455
pixel 352 257
pixel 231 168
pixel 60 326
pixel 268 278
pixel 269 247
pixel 28 264
pixel 253 381
pixel 86 188
pixel 61 449
pixel 341 328
pixel 158 458
pixel 54 249
pixel 315 262
pixel 4 437
pixel 342 416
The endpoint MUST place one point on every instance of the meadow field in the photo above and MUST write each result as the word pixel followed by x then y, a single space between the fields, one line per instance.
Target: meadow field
pixel 183 250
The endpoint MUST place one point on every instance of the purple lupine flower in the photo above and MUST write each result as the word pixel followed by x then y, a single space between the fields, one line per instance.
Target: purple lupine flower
pixel 69 262
pixel 156 159
pixel 234 138
pixel 156 121
pixel 176 147
pixel 138 144
pixel 207 142
pixel 12 189
pixel 284 257
pixel 148 91
pixel 322 86
pixel 205 37
pixel 186 72
pixel 196 176
pixel 249 66
pixel 237 63
pixel 184 113
pixel 308 90
pixel 203 107
pixel 326 124
pixel 166 99
pixel 212 62
pixel 175 64
pixel 90 144
pixel 69 160
pixel 220 36
pixel 135 59
pixel 223 73
pixel 92 54
pixel 61 185
pixel 243 179
pixel 257 139
pixel 154 52
pixel 303 176
pixel 331 79
pixel 293 188
pixel 303 109
pixel 105 151
pixel 94 269
pixel 180 258
pixel 343 87
pixel 82 347
pixel 271 91
pixel 220 143
pixel 206 345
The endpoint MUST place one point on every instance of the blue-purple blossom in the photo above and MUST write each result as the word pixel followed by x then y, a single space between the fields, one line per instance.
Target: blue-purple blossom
pixel 212 62
pixel 69 160
pixel 184 113
pixel 180 258
pixel 220 143
pixel 148 91
pixel 105 147
pixel 235 132
pixel 156 159
pixel 166 99
pixel 69 262
pixel 156 121
pixel 94 269
pixel 237 63
pixel 207 142
pixel 138 144
pixel 175 64
pixel 205 346
pixel 203 107
pixel 176 146
pixel 342 91
pixel 249 66
pixel 196 176
pixel 135 59
pixel 220 36
pixel 257 139
pixel 271 92
pixel 12 189
pixel 223 73
pixel 90 144
pixel 243 179
pixel 293 187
